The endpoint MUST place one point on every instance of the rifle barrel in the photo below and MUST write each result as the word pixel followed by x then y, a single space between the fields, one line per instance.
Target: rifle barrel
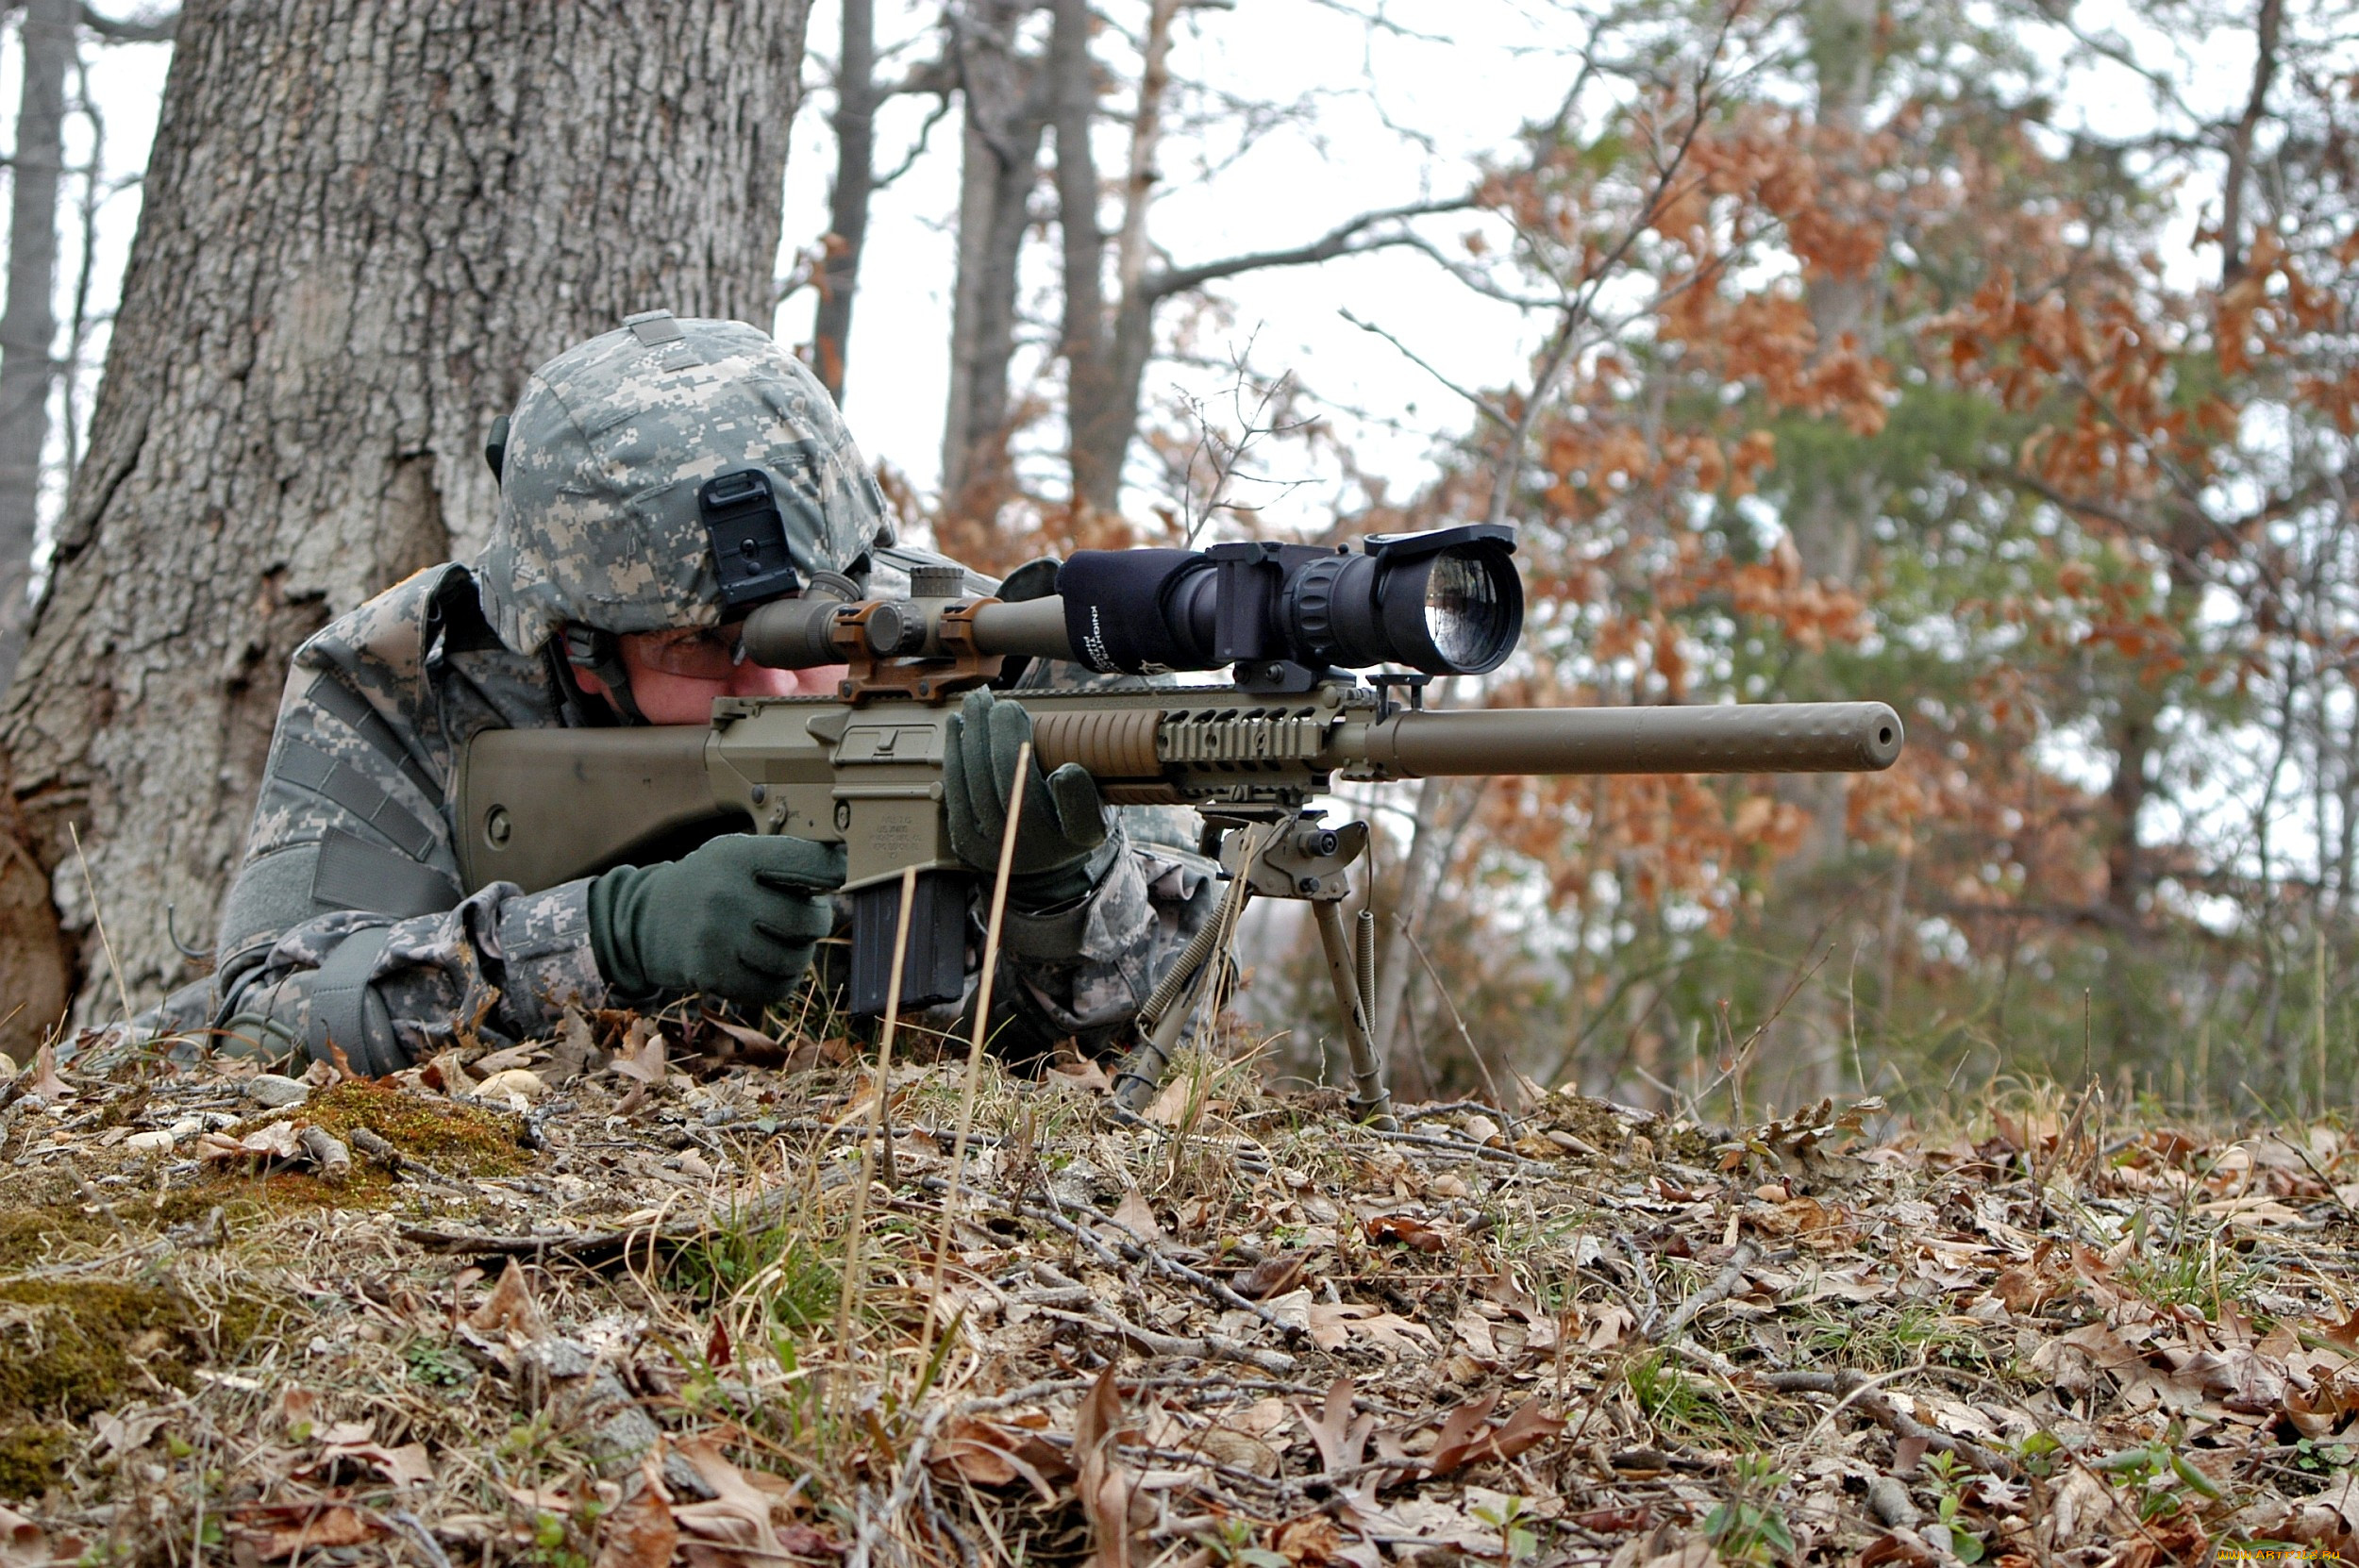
pixel 1793 737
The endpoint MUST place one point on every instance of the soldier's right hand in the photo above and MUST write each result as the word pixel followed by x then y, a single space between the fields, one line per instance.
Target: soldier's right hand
pixel 738 918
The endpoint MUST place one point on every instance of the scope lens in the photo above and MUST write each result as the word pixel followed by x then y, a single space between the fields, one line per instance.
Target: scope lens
pixel 1463 611
pixel 1457 611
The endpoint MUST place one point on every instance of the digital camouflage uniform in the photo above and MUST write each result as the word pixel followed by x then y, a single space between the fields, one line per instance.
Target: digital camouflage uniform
pixel 347 916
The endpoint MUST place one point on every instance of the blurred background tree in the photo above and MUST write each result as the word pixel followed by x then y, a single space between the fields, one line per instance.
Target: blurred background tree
pixel 1906 393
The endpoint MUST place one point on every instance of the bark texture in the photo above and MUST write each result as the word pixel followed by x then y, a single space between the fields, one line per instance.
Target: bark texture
pixel 29 330
pixel 365 221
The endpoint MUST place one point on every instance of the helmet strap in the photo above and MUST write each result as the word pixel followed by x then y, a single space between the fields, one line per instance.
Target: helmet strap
pixel 575 709
pixel 600 653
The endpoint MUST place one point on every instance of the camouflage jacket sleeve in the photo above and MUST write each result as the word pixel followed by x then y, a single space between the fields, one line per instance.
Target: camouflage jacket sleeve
pixel 503 965
pixel 1083 971
pixel 347 916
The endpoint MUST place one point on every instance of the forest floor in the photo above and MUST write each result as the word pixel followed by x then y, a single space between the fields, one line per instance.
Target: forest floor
pixel 579 1305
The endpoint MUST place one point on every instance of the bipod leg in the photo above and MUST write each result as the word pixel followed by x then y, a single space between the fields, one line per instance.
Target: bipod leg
pixel 1142 1072
pixel 1370 1101
pixel 1174 997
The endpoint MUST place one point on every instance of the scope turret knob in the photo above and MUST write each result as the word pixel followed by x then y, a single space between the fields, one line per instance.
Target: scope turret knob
pixel 894 629
pixel 937 582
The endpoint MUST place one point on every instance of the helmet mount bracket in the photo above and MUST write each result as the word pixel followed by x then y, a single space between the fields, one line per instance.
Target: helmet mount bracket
pixel 748 533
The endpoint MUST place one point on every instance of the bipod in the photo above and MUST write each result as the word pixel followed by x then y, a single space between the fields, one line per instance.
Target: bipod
pixel 1272 853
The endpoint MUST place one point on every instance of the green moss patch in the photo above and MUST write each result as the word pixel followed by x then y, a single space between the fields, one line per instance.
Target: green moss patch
pixel 39 1233
pixel 30 1455
pixel 69 1349
pixel 458 1140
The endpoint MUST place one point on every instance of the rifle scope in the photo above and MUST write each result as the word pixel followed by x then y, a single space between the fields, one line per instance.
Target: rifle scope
pixel 1446 602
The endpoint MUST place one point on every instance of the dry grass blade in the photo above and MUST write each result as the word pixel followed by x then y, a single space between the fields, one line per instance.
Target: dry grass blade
pixel 975 1047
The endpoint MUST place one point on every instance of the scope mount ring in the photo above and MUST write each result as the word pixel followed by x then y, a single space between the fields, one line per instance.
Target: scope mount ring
pixel 957 666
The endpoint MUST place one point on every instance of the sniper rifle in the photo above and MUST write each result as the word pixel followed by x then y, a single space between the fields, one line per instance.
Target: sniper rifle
pixel 863 768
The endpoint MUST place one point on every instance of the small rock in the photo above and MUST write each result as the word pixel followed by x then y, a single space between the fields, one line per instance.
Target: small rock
pixel 515 1084
pixel 271 1090
pixel 187 1126
pixel 1888 1498
pixel 1483 1130
pixel 149 1142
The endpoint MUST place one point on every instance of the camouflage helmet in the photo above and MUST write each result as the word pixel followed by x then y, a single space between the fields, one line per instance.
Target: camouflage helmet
pixel 598 521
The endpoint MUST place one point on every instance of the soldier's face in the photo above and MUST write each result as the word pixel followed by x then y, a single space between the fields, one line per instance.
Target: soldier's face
pixel 674 676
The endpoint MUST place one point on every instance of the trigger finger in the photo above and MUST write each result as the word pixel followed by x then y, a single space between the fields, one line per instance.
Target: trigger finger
pixel 984 795
pixel 1010 728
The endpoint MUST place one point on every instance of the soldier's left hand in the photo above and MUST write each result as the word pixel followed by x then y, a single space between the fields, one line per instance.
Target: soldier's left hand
pixel 1065 822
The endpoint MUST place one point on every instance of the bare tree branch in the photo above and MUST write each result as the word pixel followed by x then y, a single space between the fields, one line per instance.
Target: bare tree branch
pixel 1488 408
pixel 1336 241
pixel 145 27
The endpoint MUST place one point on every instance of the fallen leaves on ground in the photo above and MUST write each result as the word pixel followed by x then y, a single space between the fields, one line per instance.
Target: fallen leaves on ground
pixel 1258 1336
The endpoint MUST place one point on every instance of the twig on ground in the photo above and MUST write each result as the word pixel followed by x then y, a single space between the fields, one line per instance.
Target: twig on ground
pixel 96 1199
pixel 376 1148
pixel 326 1152
pixel 1208 1347
pixel 1138 1252
pixel 1463 1146
pixel 1857 1389
pixel 1725 1284
pixel 428 1546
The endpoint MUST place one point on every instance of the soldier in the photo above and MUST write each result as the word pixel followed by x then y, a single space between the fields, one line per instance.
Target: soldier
pixel 597 603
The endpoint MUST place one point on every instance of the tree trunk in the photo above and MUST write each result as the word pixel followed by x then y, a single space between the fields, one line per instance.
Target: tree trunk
pixel 1004 117
pixel 855 125
pixel 2268 28
pixel 1092 390
pixel 29 330
pixel 1803 1059
pixel 364 223
pixel 1103 431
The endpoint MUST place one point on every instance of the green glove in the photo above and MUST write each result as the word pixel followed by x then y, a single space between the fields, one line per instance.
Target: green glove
pixel 1060 845
pixel 737 918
